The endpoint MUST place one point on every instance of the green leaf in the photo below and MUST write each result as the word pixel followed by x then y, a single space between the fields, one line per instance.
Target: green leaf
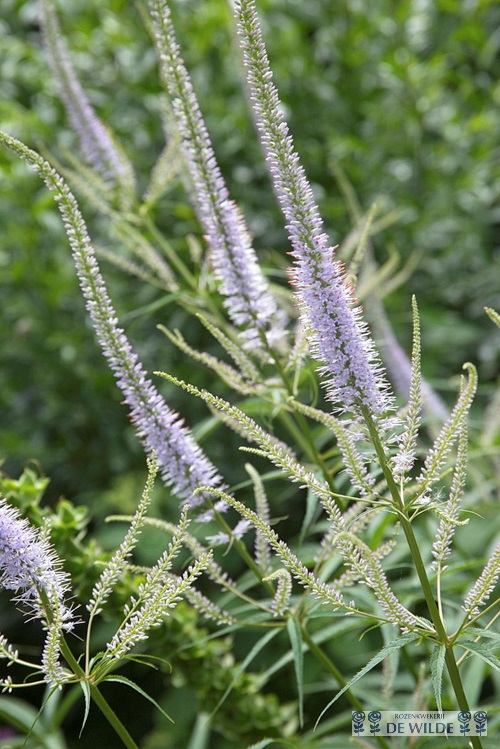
pixel 294 633
pixel 474 673
pixel 478 632
pixel 86 695
pixel 437 666
pixel 390 667
pixel 262 744
pixel 251 655
pixel 147 660
pixel 28 721
pixel 487 655
pixel 346 624
pixel 137 688
pixel 392 647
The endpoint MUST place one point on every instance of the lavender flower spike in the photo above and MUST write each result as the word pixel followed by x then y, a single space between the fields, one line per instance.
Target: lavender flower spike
pixel 249 301
pixel 30 567
pixel 96 143
pixel 182 463
pixel 340 338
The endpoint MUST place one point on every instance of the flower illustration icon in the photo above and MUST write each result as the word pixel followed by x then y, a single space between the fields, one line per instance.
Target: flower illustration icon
pixel 480 719
pixel 464 719
pixel 374 717
pixel 358 717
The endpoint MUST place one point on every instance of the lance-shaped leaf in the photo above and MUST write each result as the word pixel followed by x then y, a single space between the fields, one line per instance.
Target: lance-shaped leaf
pixel 392 647
pixel 437 668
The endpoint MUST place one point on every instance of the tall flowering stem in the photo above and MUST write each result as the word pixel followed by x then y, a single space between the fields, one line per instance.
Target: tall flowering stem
pixel 339 337
pixel 249 301
pixel 96 143
pixel 181 461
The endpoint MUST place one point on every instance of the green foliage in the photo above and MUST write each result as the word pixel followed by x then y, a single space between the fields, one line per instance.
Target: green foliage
pixel 203 672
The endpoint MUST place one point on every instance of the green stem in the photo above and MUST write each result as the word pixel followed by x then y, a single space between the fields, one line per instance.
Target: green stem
pixel 172 256
pixel 418 562
pixel 325 661
pixel 301 431
pixel 112 718
pixel 98 698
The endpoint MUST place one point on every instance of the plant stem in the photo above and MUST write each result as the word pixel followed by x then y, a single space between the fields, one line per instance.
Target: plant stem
pixel 418 562
pixel 325 661
pixel 172 256
pixel 98 698
pixel 112 718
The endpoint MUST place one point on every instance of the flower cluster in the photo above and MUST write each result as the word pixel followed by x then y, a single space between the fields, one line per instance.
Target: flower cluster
pixel 248 299
pixel 31 568
pixel 96 143
pixel 339 336
pixel 182 463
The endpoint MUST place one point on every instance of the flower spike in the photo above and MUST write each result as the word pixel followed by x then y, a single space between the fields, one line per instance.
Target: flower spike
pixel 181 461
pixel 96 143
pixel 248 299
pixel 340 338
pixel 30 567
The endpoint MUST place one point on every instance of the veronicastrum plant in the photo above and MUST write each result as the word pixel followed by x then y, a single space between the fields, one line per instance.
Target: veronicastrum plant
pixel 360 456
pixel 31 567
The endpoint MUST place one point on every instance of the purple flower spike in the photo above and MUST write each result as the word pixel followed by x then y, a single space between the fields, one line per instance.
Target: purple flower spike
pixel 96 143
pixel 31 568
pixel 182 463
pixel 249 301
pixel 340 339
